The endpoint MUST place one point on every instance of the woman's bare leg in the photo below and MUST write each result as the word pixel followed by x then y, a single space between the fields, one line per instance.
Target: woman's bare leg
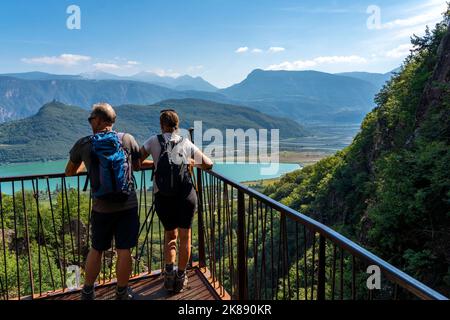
pixel 170 253
pixel 185 248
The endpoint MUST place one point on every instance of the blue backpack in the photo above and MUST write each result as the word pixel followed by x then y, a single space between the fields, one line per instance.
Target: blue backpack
pixel 110 172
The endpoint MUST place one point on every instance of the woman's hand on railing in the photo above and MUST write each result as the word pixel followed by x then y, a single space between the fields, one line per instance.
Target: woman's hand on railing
pixel 206 163
pixel 147 164
pixel 203 166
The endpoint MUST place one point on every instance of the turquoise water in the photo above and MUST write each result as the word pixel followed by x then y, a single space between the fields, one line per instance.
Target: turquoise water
pixel 35 168
pixel 239 172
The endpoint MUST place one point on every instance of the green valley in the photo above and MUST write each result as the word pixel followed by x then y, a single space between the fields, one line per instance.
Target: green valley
pixel 50 133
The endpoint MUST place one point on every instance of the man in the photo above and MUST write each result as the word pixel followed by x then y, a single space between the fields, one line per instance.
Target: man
pixel 110 219
pixel 175 196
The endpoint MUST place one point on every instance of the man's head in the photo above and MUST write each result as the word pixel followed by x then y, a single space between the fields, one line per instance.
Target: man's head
pixel 102 117
pixel 169 121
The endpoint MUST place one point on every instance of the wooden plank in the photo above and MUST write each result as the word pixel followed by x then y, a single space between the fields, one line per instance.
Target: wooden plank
pixel 151 288
pixel 219 290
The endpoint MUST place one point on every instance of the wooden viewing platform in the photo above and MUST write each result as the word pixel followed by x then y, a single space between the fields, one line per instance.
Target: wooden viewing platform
pixel 150 287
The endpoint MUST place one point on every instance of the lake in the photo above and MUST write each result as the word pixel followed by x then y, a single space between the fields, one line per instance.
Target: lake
pixel 239 172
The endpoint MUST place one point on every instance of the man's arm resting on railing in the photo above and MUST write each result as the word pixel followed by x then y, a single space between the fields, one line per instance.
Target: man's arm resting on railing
pixel 73 169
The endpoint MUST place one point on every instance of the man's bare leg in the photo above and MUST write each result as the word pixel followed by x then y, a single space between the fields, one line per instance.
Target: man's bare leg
pixel 124 267
pixel 92 270
pixel 185 248
pixel 93 266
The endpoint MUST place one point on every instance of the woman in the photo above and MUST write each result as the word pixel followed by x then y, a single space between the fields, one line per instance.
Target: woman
pixel 175 196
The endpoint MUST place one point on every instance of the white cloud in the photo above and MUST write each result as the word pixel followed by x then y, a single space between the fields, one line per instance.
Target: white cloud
pixel 421 19
pixel 399 52
pixel 166 73
pixel 430 4
pixel 276 49
pixel 195 68
pixel 258 50
pixel 304 64
pixel 241 50
pixel 127 64
pixel 428 13
pixel 106 66
pixel 390 41
pixel 65 59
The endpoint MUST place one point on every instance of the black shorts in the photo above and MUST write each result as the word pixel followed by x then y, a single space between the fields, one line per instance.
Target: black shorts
pixel 123 226
pixel 176 211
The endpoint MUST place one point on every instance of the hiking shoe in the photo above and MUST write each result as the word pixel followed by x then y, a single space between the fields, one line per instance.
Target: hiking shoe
pixel 169 280
pixel 87 295
pixel 181 282
pixel 126 294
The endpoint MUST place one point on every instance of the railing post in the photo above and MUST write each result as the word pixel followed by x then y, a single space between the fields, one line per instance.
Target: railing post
pixel 241 267
pixel 201 226
pixel 321 271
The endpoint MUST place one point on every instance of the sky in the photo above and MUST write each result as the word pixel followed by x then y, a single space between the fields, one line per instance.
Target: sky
pixel 219 40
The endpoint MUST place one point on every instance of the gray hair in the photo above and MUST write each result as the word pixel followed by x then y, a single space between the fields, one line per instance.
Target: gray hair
pixel 104 111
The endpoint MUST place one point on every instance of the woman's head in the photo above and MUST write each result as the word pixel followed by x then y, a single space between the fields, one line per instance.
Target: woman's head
pixel 169 121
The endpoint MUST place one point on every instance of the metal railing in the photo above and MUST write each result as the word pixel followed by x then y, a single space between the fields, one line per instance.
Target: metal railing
pixel 45 235
pixel 257 248
pixel 249 245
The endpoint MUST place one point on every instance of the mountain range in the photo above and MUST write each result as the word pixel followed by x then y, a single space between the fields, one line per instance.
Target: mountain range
pixel 49 134
pixel 185 82
pixel 377 79
pixel 300 95
pixel 20 98
pixel 309 95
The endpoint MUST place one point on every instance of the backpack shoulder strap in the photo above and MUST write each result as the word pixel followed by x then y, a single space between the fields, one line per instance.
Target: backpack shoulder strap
pixel 162 142
pixel 121 136
pixel 88 139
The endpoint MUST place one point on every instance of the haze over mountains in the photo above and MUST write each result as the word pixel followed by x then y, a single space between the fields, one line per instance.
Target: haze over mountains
pixel 184 82
pixel 21 98
pixel 50 133
pixel 301 95
pixel 377 79
pixel 309 95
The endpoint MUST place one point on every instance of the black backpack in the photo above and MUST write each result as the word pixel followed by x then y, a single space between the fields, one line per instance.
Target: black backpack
pixel 172 175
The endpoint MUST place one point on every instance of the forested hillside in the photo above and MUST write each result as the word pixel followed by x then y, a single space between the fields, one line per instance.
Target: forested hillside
pixel 54 129
pixel 390 189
